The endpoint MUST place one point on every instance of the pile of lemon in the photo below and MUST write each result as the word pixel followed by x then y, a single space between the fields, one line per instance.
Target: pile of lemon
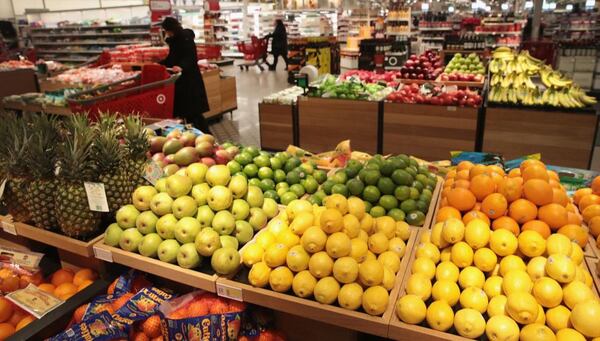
pixel 493 282
pixel 336 253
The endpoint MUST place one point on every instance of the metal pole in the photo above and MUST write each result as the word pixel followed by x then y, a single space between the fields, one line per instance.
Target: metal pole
pixel 537 15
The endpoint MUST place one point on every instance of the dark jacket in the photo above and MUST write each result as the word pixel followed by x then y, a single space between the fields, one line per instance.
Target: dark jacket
pixel 279 42
pixel 190 93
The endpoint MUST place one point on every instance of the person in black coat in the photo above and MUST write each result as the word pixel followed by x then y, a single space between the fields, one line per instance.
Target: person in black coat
pixel 279 46
pixel 190 94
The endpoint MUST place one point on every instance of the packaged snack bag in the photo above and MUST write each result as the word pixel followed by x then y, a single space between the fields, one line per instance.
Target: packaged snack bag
pixel 477 158
pixel 97 328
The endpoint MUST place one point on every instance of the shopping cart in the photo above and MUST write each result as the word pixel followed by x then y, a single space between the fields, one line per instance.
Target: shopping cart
pixel 151 94
pixel 255 52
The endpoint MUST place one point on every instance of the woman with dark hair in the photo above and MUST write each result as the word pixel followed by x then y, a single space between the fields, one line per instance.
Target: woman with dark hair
pixel 190 94
pixel 279 45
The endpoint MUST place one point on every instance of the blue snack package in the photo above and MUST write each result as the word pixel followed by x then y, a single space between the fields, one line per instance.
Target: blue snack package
pixel 477 158
pixel 97 328
pixel 140 306
pixel 515 163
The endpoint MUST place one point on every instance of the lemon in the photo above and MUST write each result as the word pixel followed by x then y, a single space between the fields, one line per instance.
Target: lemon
pixel 502 328
pixel 536 332
pixel 386 225
pixel 337 202
pixel 370 256
pixel 576 292
pixel 446 254
pixel 277 225
pixel 536 268
pixel 378 243
pixel 370 272
pixel 440 316
pixel 375 300
pixel 345 270
pixel 558 244
pixel 389 279
pixel 350 296
pixel 411 309
pixel 366 223
pixel 493 286
pixel 580 274
pixel 317 211
pixel 511 262
pixel 287 238
pixel 589 281
pixel 585 316
pixel 428 250
pixel 436 236
pixel 314 239
pixel 558 318
pixel 331 221
pixel 522 307
pixel 503 242
pixel 265 239
pixel 320 264
pixel 547 292
pixel 576 253
pixel 561 268
pixel 471 277
pixel 297 206
pixel 390 260
pixel 497 306
pixel 326 291
pixel 259 274
pixel 338 245
pixel 297 259
pixel 253 253
pixel 469 323
pixel 541 319
pixel 569 334
pixel 402 230
pixel 275 255
pixel 477 234
pixel 446 270
pixel 358 250
pixel 531 243
pixel 303 284
pixel 515 281
pixel 446 290
pixel 418 284
pixel 281 279
pixel 356 207
pixel 362 235
pixel 462 254
pixel 302 222
pixel 474 298
pixel 396 245
pixel 425 237
pixel 485 259
pixel 424 266
pixel 351 226
pixel 453 230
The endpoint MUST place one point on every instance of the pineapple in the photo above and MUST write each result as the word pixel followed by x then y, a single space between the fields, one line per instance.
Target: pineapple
pixel 72 211
pixel 41 161
pixel 137 145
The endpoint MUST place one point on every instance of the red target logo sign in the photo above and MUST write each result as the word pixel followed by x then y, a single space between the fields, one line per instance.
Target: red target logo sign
pixel 161 99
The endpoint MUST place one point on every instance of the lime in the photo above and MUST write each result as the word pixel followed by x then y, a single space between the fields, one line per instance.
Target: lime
pixel 253 151
pixel 267 184
pixel 264 152
pixel 320 176
pixel 421 178
pixel 404 158
pixel 386 185
pixel 371 194
pixel 234 166
pixel 282 191
pixel 315 200
pixel 408 205
pixel 276 163
pixel 424 198
pixel 398 163
pixel 413 163
pixel 320 194
pixel 372 166
pixel 283 156
pixel 368 206
pixel 412 171
pixel 402 193
pixel 339 189
pixel 240 173
pixel 355 186
pixel 419 186
pixel 282 185
pixel 372 177
pixel 310 185
pixel 243 158
pixel 362 174
pixel 397 214
pixel 279 176
pixel 307 168
pixel 429 183
pixel 262 161
pixel 387 168
pixel 414 193
pixel 340 177
pixel 354 164
pixel 377 211
pixel 293 177
pixel 271 194
pixel 427 192
pixel 298 190
pixel 251 170
pixel 422 206
pixel 254 182
pixel 423 170
pixel 378 159
pixel 292 163
pixel 432 177
pixel 265 173
pixel 415 218
pixel 288 197
pixel 327 186
pixel 401 177
pixel 388 202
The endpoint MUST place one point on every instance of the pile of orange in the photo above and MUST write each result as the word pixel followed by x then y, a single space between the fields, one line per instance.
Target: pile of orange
pixel 65 283
pixel 12 318
pixel 527 198
pixel 588 201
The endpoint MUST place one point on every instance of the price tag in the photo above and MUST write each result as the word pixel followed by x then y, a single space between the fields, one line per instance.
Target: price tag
pixel 34 300
pixel 96 196
pixel 230 292
pixel 103 254
pixel 9 227
pixel 2 186
pixel 452 108
pixel 153 172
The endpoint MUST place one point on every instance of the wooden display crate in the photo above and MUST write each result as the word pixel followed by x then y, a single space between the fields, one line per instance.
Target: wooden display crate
pixel 323 123
pixel 434 204
pixel 16 82
pixel 429 132
pixel 276 126
pixel 212 84
pixel 462 84
pixel 228 94
pixel 563 138
pixel 48 109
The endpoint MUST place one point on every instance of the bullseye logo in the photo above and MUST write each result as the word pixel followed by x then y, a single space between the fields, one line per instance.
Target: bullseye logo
pixel 161 99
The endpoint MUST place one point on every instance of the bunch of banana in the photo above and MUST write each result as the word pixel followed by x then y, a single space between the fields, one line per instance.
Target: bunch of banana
pixel 554 79
pixel 503 53
pixel 580 95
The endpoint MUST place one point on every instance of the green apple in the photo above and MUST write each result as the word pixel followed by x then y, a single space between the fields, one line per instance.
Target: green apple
pixel 161 204
pixel 270 207
pixel 186 229
pixel 258 218
pixel 188 257
pixel 130 240
pixel 240 209
pixel 220 198
pixel 205 216
pixel 185 206
pixel 149 245
pixel 197 172
pixel 165 226
pixel 207 241
pixel 238 186
pixel 218 175
pixel 168 250
pixel 112 235
pixel 126 216
pixel 229 241
pixel 254 197
pixel 146 222
pixel 243 231
pixel 200 192
pixel 161 185
pixel 225 261
pixel 142 196
pixel 178 185
pixel 223 222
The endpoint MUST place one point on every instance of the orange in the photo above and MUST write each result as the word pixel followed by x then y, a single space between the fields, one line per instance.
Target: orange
pixel 477 170
pixel 531 162
pixel 448 183
pixel 83 275
pixel 596 185
pixel 477 206
pixel 496 169
pixel 552 175
pixel 594 226
pixel 576 233
pixel 464 165
pixel 111 287
pixel 198 308
pixel 445 191
pixel 588 200
pixel 535 172
pixel 6 309
pixel 461 199
pixel 494 205
pixel 6 331
pixel 451 174
pixel 17 316
pixel 560 197
pixel 522 211
pixel 151 326
pixel 506 223
pixel 84 284
pixel 62 276
pixel 538 226
pixel 462 183
pixel 80 312
pixel 538 192
pixel 554 215
pixel 555 184
pixel 481 186
pixel 511 188
pixel 447 212
pixel 497 178
pixel 516 172
pixel 590 212
pixel 580 193
pixel 47 287
pixel 463 175
pixel 65 290
pixel 140 336
pixel 475 215
pixel 24 322
pixel 574 218
pixel 444 202
pixel 121 301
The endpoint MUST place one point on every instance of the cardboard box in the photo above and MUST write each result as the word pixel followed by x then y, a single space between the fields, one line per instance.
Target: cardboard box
pixel 585 63
pixel 228 94
pixel 212 83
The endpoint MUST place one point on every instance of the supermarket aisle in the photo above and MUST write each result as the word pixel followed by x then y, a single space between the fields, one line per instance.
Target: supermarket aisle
pixel 252 86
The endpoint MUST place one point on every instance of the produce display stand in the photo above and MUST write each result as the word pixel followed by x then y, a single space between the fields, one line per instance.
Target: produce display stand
pixel 48 109
pixel 277 125
pixel 323 122
pixel 477 85
pixel 564 138
pixel 221 93
pixel 16 82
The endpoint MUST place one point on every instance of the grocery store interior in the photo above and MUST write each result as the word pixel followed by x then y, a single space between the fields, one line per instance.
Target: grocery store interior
pixel 299 170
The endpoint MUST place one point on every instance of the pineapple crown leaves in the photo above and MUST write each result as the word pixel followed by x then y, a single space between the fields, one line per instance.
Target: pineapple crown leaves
pixel 75 151
pixel 108 150
pixel 41 157
pixel 16 139
pixel 136 139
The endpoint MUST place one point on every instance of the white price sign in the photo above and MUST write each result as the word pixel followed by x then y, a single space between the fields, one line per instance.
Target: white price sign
pixel 2 186
pixel 230 292
pixel 103 254
pixel 96 196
